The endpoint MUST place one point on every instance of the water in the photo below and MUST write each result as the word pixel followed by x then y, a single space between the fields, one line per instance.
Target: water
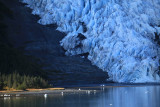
pixel 141 96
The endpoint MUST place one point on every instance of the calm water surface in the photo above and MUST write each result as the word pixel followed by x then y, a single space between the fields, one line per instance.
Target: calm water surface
pixel 145 96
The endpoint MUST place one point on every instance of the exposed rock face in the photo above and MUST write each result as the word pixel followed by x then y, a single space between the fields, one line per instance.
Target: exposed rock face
pixel 118 35
pixel 44 42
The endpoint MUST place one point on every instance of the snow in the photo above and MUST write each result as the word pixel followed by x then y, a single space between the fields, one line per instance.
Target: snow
pixel 119 35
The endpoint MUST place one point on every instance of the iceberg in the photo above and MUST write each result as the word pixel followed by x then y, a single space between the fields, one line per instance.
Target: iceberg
pixel 121 37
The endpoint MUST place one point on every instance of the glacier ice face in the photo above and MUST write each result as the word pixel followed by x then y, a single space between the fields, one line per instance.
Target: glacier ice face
pixel 119 35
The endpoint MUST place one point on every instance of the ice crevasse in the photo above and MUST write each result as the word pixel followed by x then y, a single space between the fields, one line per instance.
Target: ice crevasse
pixel 120 36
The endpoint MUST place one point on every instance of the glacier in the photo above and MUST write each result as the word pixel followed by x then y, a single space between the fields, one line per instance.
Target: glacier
pixel 120 36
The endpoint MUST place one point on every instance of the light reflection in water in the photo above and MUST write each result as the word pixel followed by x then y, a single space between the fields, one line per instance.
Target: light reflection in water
pixel 130 97
pixel 148 96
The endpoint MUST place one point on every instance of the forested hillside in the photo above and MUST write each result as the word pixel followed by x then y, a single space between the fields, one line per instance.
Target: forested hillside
pixel 17 70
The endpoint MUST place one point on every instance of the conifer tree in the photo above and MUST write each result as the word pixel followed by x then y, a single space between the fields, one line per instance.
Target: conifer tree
pixel 9 82
pixel 15 84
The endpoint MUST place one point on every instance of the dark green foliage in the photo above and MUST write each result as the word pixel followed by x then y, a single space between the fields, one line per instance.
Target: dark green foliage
pixel 1 82
pixel 9 81
pixel 17 81
pixel 1 85
pixel 15 85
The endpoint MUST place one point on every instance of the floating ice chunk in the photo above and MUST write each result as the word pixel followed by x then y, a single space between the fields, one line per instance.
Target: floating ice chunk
pixel 45 95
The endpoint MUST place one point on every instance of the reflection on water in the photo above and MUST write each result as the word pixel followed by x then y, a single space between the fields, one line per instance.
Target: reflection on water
pixel 147 96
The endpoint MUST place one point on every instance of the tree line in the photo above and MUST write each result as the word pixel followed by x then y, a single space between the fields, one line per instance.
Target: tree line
pixel 21 82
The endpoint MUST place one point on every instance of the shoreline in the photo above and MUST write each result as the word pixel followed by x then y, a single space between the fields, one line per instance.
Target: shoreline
pixel 70 90
pixel 54 91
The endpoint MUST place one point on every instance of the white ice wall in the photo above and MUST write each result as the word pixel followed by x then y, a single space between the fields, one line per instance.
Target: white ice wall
pixel 119 36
